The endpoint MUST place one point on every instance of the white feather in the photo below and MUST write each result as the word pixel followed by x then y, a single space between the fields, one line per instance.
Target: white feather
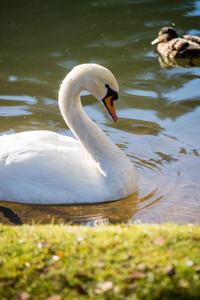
pixel 43 167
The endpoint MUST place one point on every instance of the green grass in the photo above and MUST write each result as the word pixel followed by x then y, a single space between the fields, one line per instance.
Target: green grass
pixel 106 262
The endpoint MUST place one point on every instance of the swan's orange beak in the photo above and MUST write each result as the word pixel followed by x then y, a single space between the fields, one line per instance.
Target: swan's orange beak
pixel 109 104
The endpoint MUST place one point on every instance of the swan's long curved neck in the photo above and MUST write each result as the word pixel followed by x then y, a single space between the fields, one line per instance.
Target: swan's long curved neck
pixel 93 139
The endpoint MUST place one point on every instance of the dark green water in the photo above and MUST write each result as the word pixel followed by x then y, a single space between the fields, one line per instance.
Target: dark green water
pixel 158 108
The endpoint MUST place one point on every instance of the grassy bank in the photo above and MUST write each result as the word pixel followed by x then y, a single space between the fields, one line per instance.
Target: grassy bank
pixel 107 262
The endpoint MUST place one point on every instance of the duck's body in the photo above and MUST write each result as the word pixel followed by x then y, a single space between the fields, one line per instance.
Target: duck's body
pixel 169 44
pixel 43 167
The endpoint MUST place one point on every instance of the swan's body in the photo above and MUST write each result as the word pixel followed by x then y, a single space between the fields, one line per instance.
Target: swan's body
pixel 43 167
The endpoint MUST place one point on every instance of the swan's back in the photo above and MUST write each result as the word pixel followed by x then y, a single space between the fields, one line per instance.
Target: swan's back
pixel 46 164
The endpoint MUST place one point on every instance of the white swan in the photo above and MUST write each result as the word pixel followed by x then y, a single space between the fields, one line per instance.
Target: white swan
pixel 43 167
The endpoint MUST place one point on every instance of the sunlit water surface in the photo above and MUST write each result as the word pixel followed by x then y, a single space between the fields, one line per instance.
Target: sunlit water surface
pixel 158 107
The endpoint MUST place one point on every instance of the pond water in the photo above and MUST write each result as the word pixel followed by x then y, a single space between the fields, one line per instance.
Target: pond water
pixel 158 108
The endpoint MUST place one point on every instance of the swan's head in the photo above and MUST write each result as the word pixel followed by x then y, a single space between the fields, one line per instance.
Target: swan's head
pixel 100 82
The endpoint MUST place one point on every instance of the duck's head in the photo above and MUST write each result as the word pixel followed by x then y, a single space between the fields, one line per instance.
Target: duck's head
pixel 165 35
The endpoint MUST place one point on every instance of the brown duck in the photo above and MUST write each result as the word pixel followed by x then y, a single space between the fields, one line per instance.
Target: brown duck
pixel 169 44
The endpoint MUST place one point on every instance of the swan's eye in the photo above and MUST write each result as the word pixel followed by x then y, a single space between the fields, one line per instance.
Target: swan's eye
pixel 111 93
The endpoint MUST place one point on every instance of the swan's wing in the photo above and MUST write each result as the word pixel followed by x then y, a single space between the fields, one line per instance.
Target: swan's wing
pixel 47 164
pixel 29 147
pixel 38 137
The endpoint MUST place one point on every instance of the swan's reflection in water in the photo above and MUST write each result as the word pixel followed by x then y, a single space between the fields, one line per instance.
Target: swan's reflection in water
pixel 115 212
